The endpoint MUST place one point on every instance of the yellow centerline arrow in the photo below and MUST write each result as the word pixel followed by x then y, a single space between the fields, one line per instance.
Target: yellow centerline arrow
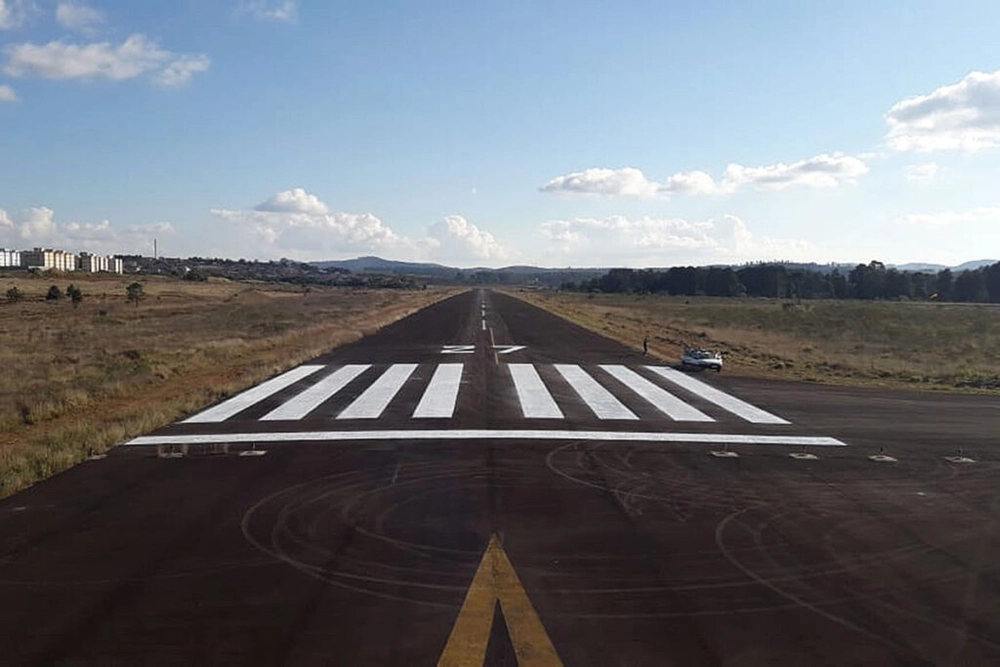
pixel 496 580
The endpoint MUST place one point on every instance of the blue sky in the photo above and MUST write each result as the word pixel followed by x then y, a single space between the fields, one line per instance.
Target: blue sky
pixel 551 133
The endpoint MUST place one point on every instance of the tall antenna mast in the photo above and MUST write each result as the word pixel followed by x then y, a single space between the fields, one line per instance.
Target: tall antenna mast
pixel 155 252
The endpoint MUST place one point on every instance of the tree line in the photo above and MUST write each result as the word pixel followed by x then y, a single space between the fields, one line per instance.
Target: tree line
pixel 864 281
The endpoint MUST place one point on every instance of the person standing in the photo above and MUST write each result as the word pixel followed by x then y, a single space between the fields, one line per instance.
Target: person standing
pixel 645 345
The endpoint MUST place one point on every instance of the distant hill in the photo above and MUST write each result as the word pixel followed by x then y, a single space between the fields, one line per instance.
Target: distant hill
pixel 379 265
pixel 973 265
pixel 548 277
pixel 511 275
pixel 917 267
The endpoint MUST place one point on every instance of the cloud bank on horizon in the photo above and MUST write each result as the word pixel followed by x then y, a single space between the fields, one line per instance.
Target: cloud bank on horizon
pixel 131 114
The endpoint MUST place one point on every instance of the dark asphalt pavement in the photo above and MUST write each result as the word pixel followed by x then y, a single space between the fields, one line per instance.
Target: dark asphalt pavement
pixel 633 543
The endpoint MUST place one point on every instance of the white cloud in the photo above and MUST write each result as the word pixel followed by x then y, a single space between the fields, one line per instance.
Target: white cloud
pixel 12 14
pixel 77 16
pixel 982 214
pixel 137 56
pixel 296 222
pixel 822 171
pixel 270 10
pixel 38 226
pixel 457 239
pixel 921 172
pixel 7 94
pixel 180 71
pixel 827 170
pixel 661 241
pixel 690 183
pixel 296 200
pixel 964 116
pixel 625 182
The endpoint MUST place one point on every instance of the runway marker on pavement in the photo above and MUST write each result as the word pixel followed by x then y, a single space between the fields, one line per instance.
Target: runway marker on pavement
pixel 507 349
pixel 536 401
pixel 495 582
pixel 490 434
pixel 603 404
pixel 458 349
pixel 661 399
pixel 373 402
pixel 240 402
pixel 310 399
pixel 729 403
pixel 441 394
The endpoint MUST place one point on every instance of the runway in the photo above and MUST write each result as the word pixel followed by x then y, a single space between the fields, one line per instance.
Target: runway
pixel 486 483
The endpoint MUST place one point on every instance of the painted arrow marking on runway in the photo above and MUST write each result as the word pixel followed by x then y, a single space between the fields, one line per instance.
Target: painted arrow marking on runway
pixel 496 581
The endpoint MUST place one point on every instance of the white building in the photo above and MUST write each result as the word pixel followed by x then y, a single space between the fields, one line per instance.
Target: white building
pixel 46 259
pixel 10 258
pixel 90 263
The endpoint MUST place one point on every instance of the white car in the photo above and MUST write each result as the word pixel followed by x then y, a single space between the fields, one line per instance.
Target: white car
pixel 698 358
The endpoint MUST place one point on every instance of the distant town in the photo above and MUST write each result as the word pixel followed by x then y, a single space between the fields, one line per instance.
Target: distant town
pixel 47 259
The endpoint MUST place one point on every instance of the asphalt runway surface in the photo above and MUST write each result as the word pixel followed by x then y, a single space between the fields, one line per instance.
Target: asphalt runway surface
pixel 438 494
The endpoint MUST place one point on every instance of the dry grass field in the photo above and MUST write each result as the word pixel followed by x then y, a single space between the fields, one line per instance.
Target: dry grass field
pixel 901 344
pixel 75 381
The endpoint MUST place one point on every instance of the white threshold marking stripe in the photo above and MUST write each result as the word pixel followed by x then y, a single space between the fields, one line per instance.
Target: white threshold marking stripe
pixel 487 434
pixel 441 394
pixel 240 402
pixel 310 399
pixel 598 399
pixel 661 399
pixel 377 397
pixel 725 401
pixel 536 401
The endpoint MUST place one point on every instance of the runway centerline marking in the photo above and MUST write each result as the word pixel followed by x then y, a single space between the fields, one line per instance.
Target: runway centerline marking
pixel 373 402
pixel 496 581
pixel 661 399
pixel 441 394
pixel 536 401
pixel 488 434
pixel 250 397
pixel 310 399
pixel 601 401
pixel 742 409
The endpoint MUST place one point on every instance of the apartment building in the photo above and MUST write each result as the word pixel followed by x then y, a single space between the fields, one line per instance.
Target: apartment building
pixel 46 259
pixel 10 258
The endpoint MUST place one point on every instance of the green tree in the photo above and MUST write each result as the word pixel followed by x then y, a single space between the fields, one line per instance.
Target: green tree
pixel 14 294
pixel 970 286
pixel 54 293
pixel 134 294
pixel 75 295
pixel 944 284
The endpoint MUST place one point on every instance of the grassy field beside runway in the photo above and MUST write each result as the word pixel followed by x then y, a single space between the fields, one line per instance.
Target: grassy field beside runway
pixel 77 380
pixel 899 344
